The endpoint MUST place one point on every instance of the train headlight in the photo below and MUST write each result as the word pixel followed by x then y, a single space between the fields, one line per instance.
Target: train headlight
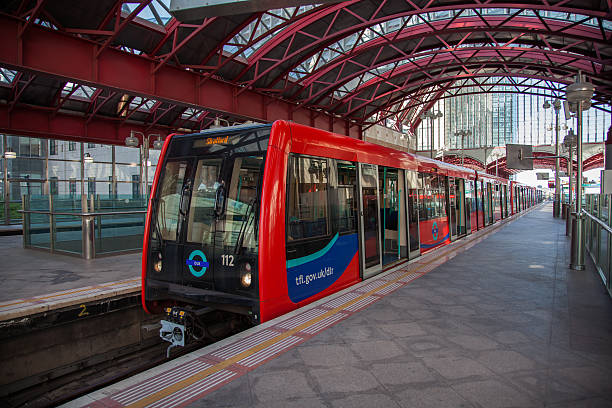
pixel 157 265
pixel 245 276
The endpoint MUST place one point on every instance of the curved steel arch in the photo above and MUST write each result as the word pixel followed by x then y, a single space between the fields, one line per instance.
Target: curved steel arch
pixel 402 91
pixel 329 36
pixel 447 63
pixel 335 74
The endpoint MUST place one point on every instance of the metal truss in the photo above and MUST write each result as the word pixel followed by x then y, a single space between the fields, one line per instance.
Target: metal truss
pixel 342 66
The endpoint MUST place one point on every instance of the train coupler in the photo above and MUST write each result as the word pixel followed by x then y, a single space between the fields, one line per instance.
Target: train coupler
pixel 176 328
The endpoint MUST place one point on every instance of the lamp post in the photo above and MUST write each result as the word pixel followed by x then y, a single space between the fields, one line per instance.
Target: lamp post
pixel 132 141
pixel 569 142
pixel 578 94
pixel 557 202
pixel 431 115
pixel 463 134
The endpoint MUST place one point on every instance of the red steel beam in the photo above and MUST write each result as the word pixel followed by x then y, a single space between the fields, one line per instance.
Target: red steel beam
pixel 46 123
pixel 49 52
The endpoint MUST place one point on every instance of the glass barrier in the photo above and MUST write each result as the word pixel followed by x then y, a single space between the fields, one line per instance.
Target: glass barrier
pixel 598 228
pixel 68 234
pixel 119 233
pixel 87 226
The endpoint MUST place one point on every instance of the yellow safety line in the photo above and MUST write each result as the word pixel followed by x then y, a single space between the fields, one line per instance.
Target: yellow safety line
pixel 32 300
pixel 226 363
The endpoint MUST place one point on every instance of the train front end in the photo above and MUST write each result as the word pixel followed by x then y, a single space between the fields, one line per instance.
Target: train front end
pixel 200 255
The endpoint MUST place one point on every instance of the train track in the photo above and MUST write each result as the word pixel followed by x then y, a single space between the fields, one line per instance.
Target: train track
pixel 98 372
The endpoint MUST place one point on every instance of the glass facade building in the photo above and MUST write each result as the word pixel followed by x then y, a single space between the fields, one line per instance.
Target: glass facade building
pixel 496 119
pixel 56 167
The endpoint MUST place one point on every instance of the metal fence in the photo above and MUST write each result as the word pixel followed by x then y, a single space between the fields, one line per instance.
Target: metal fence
pixel 87 227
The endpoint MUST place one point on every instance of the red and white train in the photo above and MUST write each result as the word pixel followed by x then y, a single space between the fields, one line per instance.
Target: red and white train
pixel 263 219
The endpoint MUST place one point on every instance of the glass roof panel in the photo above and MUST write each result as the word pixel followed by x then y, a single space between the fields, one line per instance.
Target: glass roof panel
pixel 191 114
pixel 78 92
pixel 378 30
pixel 262 29
pixel 157 12
pixel 7 76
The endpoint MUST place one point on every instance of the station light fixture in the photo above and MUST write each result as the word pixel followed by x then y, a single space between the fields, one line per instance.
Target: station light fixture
pixel 10 154
pixel 158 143
pixel 131 140
pixel 87 158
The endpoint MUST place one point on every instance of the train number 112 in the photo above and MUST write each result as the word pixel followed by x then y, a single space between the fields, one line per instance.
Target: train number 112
pixel 227 260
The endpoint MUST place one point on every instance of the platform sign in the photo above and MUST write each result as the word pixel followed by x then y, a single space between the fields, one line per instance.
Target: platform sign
pixel 519 157
pixel 542 176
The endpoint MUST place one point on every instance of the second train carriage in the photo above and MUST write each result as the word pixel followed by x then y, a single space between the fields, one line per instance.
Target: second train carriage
pixel 263 219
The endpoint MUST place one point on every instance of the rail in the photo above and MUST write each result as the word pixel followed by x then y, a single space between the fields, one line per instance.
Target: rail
pixel 87 227
pixel 598 235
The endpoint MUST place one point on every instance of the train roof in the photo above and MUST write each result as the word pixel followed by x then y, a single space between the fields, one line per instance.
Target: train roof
pixel 320 142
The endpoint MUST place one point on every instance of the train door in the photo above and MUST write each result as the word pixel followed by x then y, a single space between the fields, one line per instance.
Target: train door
pixel 481 205
pixel 504 202
pixel 492 202
pixel 452 204
pixel 488 202
pixel 412 208
pixel 390 210
pixel 472 210
pixel 370 221
pixel 460 210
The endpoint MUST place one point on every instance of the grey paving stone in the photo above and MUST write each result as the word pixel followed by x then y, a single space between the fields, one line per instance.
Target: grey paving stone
pixel 365 401
pixel 494 394
pixel 510 337
pixel 404 329
pixel 584 403
pixel 402 373
pixel 327 355
pixel 433 397
pixel 505 361
pixel 459 310
pixel 278 385
pixel 474 342
pixel 358 330
pixel 456 367
pixel 343 379
pixel 592 378
pixel 377 350
pixel 294 403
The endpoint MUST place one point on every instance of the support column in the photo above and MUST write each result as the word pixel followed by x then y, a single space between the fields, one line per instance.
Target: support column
pixel 577 255
pixel 557 202
pixel 5 196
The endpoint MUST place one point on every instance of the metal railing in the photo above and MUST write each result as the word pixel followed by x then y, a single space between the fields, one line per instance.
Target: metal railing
pixel 598 235
pixel 89 227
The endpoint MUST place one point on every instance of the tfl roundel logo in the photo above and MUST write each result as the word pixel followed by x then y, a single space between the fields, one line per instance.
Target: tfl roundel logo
pixel 197 263
pixel 434 231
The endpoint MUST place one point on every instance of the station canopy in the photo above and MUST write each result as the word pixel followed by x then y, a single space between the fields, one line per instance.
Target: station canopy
pixel 345 65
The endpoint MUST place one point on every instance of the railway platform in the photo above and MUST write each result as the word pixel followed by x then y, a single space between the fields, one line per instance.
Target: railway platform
pixel 35 281
pixel 494 320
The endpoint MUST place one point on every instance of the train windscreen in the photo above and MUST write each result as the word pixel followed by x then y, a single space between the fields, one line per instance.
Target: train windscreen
pixel 207 209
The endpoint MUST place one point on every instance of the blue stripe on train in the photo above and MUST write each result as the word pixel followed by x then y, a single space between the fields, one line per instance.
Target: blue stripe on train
pixel 312 274
pixel 426 246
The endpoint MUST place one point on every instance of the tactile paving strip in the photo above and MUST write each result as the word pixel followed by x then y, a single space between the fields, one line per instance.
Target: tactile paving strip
pixel 142 390
pixel 245 344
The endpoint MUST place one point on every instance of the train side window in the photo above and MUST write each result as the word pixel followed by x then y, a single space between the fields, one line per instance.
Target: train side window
pixel 307 206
